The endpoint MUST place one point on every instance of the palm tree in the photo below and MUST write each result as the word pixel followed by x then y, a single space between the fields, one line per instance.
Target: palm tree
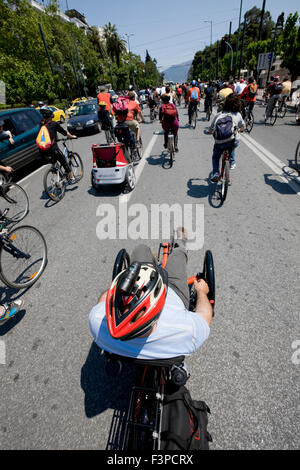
pixel 99 45
pixel 115 46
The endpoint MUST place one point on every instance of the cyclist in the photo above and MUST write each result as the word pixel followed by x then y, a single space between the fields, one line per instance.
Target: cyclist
pixel 192 98
pixel 208 92
pixel 153 99
pixel 179 94
pixel 222 95
pixel 274 90
pixel 105 96
pixel 286 89
pixel 224 127
pixel 55 154
pixel 104 116
pixel 5 134
pixel 7 169
pixel 240 86
pixel 169 119
pixel 248 96
pixel 136 98
pixel 9 310
pixel 154 322
pixel 131 117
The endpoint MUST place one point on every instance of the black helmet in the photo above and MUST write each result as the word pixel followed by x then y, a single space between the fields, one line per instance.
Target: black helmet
pixel 47 113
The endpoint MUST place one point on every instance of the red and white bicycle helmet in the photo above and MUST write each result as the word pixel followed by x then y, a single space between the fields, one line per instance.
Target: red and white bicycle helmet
pixel 133 314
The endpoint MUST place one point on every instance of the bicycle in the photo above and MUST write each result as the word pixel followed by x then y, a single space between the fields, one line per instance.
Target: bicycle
pixel 249 119
pixel 56 179
pixel 142 426
pixel 282 108
pixel 153 114
pixel 194 117
pixel 297 157
pixel 208 111
pixel 16 196
pixel 110 136
pixel 23 254
pixel 273 115
pixel 171 147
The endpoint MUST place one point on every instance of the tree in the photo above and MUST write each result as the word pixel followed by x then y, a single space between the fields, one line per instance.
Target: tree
pixel 290 45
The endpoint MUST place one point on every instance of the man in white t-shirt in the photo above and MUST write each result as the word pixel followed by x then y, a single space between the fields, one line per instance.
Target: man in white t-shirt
pixel 240 86
pixel 159 325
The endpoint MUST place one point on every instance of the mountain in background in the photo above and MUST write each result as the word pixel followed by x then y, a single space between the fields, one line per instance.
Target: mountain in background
pixel 178 73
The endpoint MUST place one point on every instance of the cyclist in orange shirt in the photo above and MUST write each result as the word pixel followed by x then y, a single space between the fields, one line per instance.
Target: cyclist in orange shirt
pixel 105 96
pixel 193 98
pixel 248 96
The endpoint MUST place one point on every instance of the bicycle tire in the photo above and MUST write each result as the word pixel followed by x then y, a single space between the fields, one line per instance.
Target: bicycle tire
pixel 274 116
pixel 18 201
pixel 171 149
pixel 225 181
pixel 208 115
pixel 209 276
pixel 54 188
pixel 249 122
pixel 297 157
pixel 28 268
pixel 283 110
pixel 76 165
pixel 122 262
pixel 194 120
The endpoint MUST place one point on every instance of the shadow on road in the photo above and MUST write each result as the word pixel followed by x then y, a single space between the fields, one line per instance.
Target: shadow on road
pixel 161 159
pixel 102 391
pixel 279 186
pixel 209 190
pixel 109 191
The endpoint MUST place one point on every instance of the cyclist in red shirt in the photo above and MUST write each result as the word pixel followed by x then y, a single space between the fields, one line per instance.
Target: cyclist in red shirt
pixel 248 96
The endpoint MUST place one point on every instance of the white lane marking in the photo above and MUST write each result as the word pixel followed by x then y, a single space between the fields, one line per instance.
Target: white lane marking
pixel 286 174
pixel 140 167
pixel 31 174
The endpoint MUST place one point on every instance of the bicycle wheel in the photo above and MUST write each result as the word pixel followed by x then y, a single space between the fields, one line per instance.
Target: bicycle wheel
pixel 194 120
pixel 171 149
pixel 283 109
pixel 76 165
pixel 140 149
pixel 23 257
pixel 18 201
pixel 225 180
pixel 297 157
pixel 54 185
pixel 249 122
pixel 108 136
pixel 274 116
pixel 122 262
pixel 209 275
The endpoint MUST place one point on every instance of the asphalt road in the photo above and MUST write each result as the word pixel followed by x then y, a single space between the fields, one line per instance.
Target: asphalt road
pixel 55 393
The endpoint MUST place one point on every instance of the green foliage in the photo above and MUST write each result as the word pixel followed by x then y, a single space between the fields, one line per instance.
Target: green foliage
pixel 290 45
pixel 25 68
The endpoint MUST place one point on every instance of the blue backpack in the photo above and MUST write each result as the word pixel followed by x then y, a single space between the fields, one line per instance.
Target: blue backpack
pixel 224 129
pixel 194 95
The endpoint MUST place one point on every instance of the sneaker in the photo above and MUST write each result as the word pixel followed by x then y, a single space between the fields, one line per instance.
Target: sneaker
pixel 72 180
pixel 176 149
pixel 165 146
pixel 11 309
pixel 215 178
pixel 233 166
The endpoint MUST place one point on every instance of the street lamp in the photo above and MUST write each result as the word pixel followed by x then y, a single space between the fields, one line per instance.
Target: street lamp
pixel 128 36
pixel 229 45
pixel 274 35
pixel 209 21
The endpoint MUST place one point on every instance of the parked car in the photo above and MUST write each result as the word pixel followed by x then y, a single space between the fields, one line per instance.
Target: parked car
pixel 24 125
pixel 85 118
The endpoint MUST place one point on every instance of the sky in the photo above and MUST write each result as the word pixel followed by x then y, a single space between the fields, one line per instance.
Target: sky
pixel 172 32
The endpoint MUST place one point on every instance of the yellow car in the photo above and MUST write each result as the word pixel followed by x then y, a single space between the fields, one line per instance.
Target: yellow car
pixel 59 114
pixel 78 99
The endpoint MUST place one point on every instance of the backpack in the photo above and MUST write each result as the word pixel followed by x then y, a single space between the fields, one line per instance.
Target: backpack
pixel 224 129
pixel 184 422
pixel 252 91
pixel 278 88
pixel 169 112
pixel 43 139
pixel 120 107
pixel 194 95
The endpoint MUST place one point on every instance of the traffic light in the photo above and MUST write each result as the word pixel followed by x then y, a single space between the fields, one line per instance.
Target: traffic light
pixel 223 46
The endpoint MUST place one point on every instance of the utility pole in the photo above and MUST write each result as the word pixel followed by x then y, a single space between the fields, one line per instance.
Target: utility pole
pixel 238 38
pixel 242 49
pixel 229 36
pixel 262 19
pixel 210 60
pixel 276 31
pixel 130 72
pixel 217 72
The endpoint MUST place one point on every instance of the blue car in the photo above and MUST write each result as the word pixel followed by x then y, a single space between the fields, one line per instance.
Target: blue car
pixel 24 124
pixel 84 119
